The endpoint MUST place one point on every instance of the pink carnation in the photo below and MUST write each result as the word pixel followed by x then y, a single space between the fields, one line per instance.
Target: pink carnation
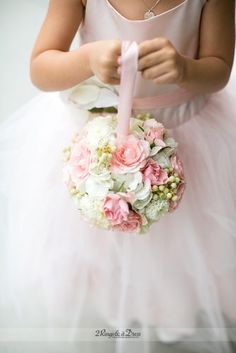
pixel 177 165
pixel 180 192
pixel 79 162
pixel 153 135
pixel 130 155
pixel 154 173
pixel 132 224
pixel 116 209
pixel 154 131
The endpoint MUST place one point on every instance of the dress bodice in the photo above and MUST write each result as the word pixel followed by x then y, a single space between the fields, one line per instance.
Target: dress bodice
pixel 181 25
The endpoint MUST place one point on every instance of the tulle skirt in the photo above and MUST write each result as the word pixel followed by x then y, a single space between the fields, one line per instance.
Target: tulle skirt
pixel 66 286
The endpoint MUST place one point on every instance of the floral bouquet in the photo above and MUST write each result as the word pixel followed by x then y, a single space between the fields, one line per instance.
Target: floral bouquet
pixel 124 174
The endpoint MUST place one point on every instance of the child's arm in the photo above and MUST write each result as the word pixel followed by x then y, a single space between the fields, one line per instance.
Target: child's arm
pixel 160 61
pixel 53 67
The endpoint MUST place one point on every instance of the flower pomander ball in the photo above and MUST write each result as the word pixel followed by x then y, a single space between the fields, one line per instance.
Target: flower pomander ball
pixel 124 184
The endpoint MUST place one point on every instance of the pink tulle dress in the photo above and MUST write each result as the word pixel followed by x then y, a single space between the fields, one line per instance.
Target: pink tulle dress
pixel 63 281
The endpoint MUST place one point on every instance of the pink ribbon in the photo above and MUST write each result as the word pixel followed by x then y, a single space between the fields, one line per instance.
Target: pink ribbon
pixel 129 68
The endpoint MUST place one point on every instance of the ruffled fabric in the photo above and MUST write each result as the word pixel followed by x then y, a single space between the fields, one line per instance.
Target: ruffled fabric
pixel 63 279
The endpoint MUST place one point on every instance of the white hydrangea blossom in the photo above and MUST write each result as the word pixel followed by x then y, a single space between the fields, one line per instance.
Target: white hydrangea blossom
pixel 92 211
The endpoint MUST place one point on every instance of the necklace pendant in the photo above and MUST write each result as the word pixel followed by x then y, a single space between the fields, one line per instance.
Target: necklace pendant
pixel 149 14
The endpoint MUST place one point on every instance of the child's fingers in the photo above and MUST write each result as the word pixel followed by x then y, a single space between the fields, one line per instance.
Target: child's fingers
pixel 149 46
pixel 167 78
pixel 155 71
pixel 152 59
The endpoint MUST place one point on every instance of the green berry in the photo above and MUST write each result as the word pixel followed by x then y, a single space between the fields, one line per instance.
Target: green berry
pixel 171 179
pixel 155 188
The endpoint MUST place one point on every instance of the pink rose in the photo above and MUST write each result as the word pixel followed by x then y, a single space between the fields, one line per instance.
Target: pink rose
pixel 116 209
pixel 79 161
pixel 130 155
pixel 154 173
pixel 180 192
pixel 132 224
pixel 177 165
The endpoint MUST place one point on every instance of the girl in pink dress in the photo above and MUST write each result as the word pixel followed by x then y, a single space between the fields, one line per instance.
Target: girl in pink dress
pixel 65 286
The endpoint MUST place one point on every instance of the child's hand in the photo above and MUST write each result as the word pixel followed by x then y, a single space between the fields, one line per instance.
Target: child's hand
pixel 103 60
pixel 159 61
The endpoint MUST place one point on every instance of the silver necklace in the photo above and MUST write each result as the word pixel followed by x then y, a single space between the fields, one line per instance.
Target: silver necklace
pixel 149 13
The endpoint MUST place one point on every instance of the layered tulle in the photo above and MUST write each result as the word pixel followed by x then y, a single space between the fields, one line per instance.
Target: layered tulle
pixel 178 282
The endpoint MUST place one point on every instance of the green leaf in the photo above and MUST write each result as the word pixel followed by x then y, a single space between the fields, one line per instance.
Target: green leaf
pixel 112 110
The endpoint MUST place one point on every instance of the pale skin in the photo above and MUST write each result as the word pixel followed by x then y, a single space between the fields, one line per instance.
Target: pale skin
pixel 54 67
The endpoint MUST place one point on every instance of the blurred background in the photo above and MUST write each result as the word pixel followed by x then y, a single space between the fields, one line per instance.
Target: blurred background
pixel 20 23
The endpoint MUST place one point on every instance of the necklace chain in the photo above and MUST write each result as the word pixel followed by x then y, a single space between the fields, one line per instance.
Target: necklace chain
pixel 153 7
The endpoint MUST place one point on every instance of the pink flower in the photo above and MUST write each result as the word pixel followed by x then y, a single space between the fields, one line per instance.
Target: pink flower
pixel 132 224
pixel 116 209
pixel 79 161
pixel 180 192
pixel 153 135
pixel 130 155
pixel 154 173
pixel 154 131
pixel 177 165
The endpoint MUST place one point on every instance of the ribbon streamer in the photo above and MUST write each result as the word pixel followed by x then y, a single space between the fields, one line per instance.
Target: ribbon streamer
pixel 129 68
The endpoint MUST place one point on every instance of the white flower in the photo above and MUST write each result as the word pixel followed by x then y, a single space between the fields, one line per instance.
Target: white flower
pixel 130 181
pixel 100 131
pixel 90 94
pixel 143 195
pixel 136 126
pixel 92 211
pixel 140 204
pixel 143 190
pixel 98 186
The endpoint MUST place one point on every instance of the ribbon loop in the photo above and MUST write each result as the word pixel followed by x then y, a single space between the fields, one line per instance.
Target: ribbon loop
pixel 129 68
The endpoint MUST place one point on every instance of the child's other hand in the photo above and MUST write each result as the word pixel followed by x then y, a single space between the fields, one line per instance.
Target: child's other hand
pixel 103 59
pixel 159 61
